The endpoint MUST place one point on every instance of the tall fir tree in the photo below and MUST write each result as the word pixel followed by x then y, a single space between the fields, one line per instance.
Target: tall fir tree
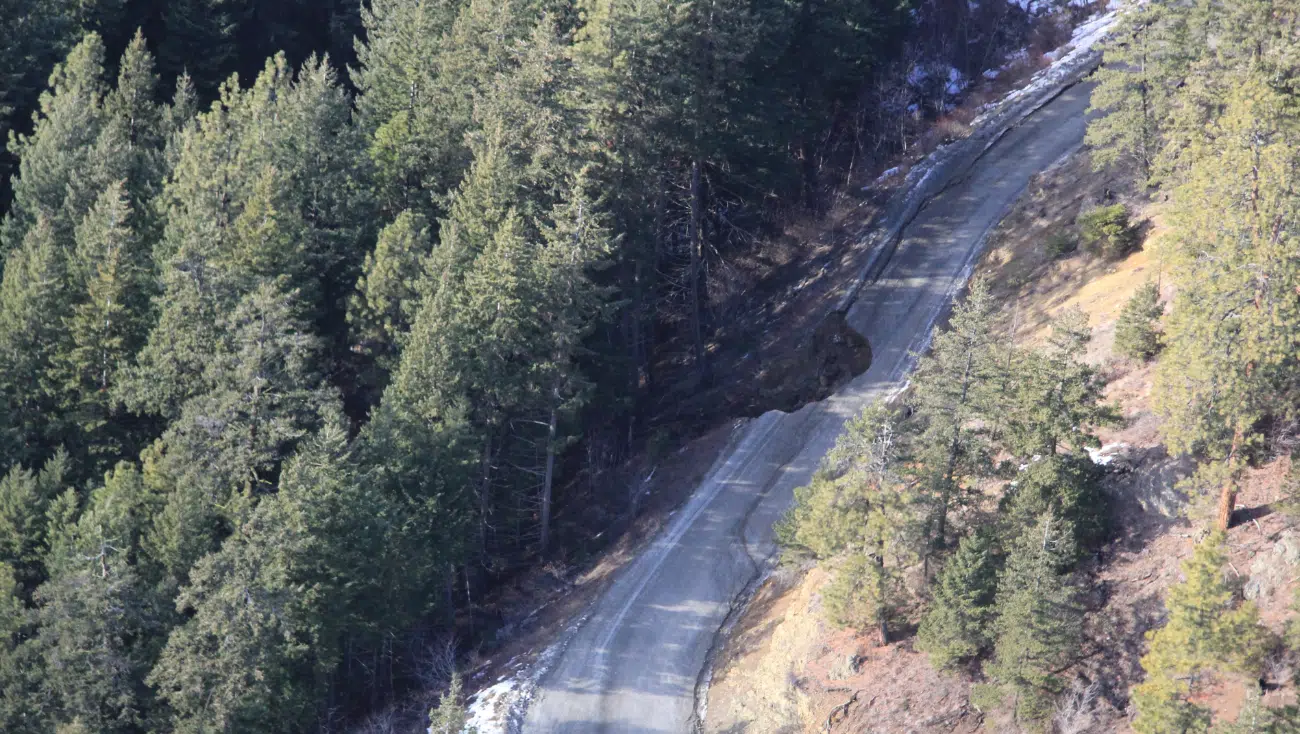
pixel 387 293
pixel 1207 632
pixel 1145 62
pixel 1230 327
pixel 956 627
pixel 1038 629
pixel 958 381
pixel 415 154
pixel 277 608
pixel 60 148
pixel 33 306
pixel 106 326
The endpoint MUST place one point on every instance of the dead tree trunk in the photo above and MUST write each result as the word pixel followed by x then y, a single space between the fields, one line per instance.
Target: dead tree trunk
pixel 549 476
pixel 695 237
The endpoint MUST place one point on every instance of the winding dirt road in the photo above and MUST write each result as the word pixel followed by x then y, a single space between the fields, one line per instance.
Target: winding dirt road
pixel 633 666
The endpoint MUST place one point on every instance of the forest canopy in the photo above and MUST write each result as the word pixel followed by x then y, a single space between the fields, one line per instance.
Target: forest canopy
pixel 309 310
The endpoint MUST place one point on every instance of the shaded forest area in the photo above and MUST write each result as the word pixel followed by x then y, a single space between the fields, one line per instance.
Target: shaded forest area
pixel 309 309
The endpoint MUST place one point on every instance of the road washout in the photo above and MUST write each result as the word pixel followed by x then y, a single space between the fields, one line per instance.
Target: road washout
pixel 633 662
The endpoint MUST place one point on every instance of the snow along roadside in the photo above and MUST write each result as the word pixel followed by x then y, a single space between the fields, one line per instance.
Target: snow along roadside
pixel 950 162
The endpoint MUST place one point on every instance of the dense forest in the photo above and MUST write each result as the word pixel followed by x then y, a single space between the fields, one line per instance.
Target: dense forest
pixel 976 512
pixel 311 310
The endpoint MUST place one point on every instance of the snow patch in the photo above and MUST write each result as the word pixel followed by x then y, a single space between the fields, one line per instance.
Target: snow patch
pixel 885 176
pixel 489 709
pixel 500 708
pixel 1108 454
pixel 1065 60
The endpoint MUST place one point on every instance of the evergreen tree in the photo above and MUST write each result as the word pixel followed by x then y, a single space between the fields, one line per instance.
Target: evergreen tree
pixel 266 186
pixel 225 448
pixel 1229 334
pixel 1145 61
pixel 1206 632
pixel 107 327
pixel 33 306
pixel 129 147
pixel 25 499
pixel 20 668
pixel 387 294
pixel 97 625
pixel 1136 337
pixel 1066 485
pixel 1058 397
pixel 416 154
pixel 859 512
pixel 1038 628
pixel 956 627
pixel 576 242
pixel 957 382
pixel 275 608
pixel 450 717
pixel 60 148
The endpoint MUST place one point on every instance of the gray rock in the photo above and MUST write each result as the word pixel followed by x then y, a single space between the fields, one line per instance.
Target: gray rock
pixel 1271 570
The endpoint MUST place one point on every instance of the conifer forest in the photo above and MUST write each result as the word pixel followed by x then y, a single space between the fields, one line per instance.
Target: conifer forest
pixel 315 315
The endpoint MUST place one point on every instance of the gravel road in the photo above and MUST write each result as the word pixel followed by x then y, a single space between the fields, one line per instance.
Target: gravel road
pixel 632 667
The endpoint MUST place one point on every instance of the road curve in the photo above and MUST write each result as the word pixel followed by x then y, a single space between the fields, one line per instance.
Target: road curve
pixel 632 666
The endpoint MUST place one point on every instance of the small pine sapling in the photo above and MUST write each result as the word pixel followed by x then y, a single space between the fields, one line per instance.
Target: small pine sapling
pixel 1107 231
pixel 1136 335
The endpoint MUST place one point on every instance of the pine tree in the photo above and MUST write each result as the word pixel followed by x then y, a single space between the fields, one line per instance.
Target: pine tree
pixel 106 328
pixel 1145 62
pixel 1207 632
pixel 956 626
pixel 576 243
pixel 387 294
pixel 1058 397
pixel 1230 327
pixel 415 153
pixel 450 717
pixel 223 451
pixel 1066 485
pixel 955 383
pixel 26 498
pixel 20 665
pixel 266 186
pixel 275 609
pixel 97 625
pixel 129 147
pixel 1136 337
pixel 60 148
pixel 1039 621
pixel 33 306
pixel 858 512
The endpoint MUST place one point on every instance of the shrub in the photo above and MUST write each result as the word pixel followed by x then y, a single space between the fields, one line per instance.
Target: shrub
pixel 1136 337
pixel 1107 231
pixel 1060 245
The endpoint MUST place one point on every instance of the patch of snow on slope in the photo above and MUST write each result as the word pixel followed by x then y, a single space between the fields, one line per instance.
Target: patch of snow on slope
pixel 489 709
pixel 1065 60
